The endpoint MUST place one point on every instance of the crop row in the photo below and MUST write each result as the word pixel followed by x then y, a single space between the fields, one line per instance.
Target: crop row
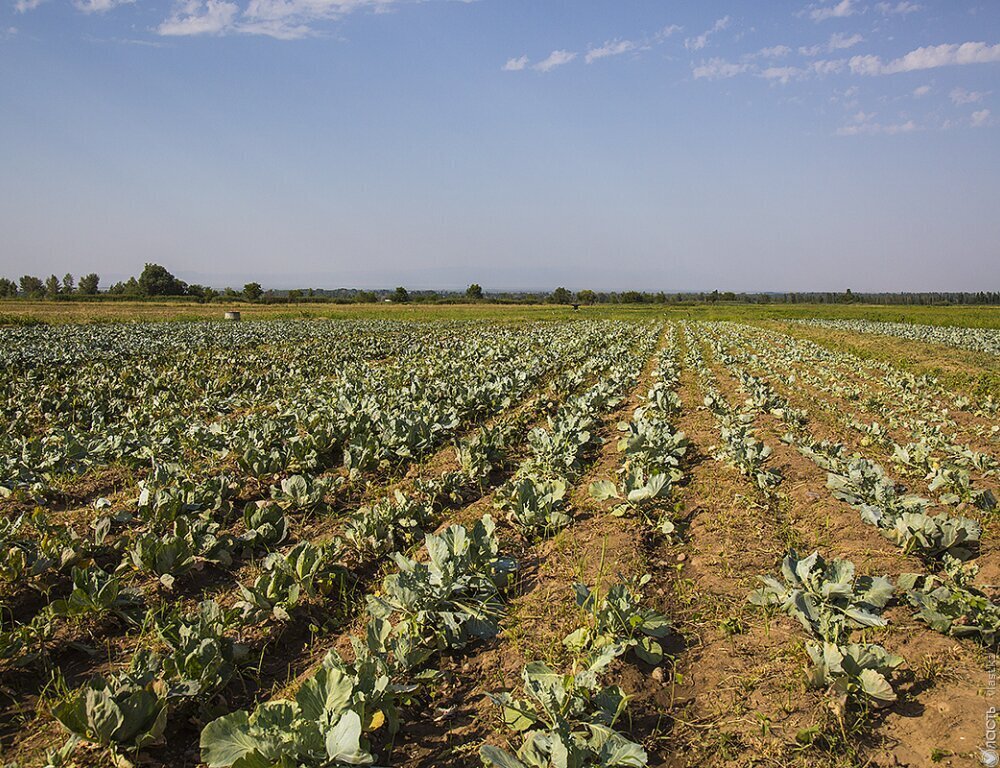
pixel 976 339
pixel 945 465
pixel 197 653
pixel 944 597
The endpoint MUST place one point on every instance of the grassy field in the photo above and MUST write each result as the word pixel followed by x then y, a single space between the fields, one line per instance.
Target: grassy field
pixel 973 372
pixel 280 467
pixel 13 311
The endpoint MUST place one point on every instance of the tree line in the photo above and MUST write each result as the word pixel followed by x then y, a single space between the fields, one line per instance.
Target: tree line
pixel 157 281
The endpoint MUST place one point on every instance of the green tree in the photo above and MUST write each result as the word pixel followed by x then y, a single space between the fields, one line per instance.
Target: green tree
pixel 88 284
pixel 586 296
pixel 68 284
pixel 32 287
pixel 52 287
pixel 129 288
pixel 474 292
pixel 401 295
pixel 253 291
pixel 561 296
pixel 294 295
pixel 8 288
pixel 155 280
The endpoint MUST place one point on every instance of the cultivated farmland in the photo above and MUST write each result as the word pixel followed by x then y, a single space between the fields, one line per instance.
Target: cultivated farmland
pixel 456 543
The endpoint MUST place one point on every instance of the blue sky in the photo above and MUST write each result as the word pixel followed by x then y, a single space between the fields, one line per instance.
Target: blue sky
pixel 516 143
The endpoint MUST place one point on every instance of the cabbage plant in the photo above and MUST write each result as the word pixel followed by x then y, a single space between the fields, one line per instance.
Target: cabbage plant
pixel 326 725
pixel 536 507
pixel 116 713
pixel 452 598
pixel 828 599
pixel 951 603
pixel 566 720
pixel 619 618
pixel 854 672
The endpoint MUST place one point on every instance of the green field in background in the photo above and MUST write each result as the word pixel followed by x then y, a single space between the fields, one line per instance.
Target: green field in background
pixel 16 311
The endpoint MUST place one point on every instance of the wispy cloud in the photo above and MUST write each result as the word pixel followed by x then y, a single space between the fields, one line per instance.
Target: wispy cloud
pixel 773 52
pixel 840 10
pixel 901 8
pixel 837 42
pixel 961 96
pixel 610 48
pixel 99 6
pixel 929 57
pixel 921 91
pixel 699 42
pixel 281 19
pixel 668 31
pixel 555 59
pixel 200 17
pixel 718 69
pixel 783 75
pixel 23 6
pixel 864 123
pixel 516 64
pixel 840 42
pixel 828 66
pixel 980 119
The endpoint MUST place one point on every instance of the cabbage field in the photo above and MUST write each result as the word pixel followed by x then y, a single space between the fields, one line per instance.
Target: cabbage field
pixel 321 543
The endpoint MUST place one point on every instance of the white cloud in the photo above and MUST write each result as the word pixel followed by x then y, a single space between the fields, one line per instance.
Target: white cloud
pixel 837 42
pixel 828 66
pixel 276 28
pixel 699 42
pixel 962 96
pixel 281 19
pixel 668 31
pixel 866 65
pixel 921 91
pixel 98 6
pixel 23 6
pixel 781 74
pixel 198 17
pixel 864 125
pixel 929 57
pixel 774 52
pixel 981 118
pixel 610 48
pixel 838 11
pixel 555 59
pixel 718 69
pixel 840 42
pixel 901 8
